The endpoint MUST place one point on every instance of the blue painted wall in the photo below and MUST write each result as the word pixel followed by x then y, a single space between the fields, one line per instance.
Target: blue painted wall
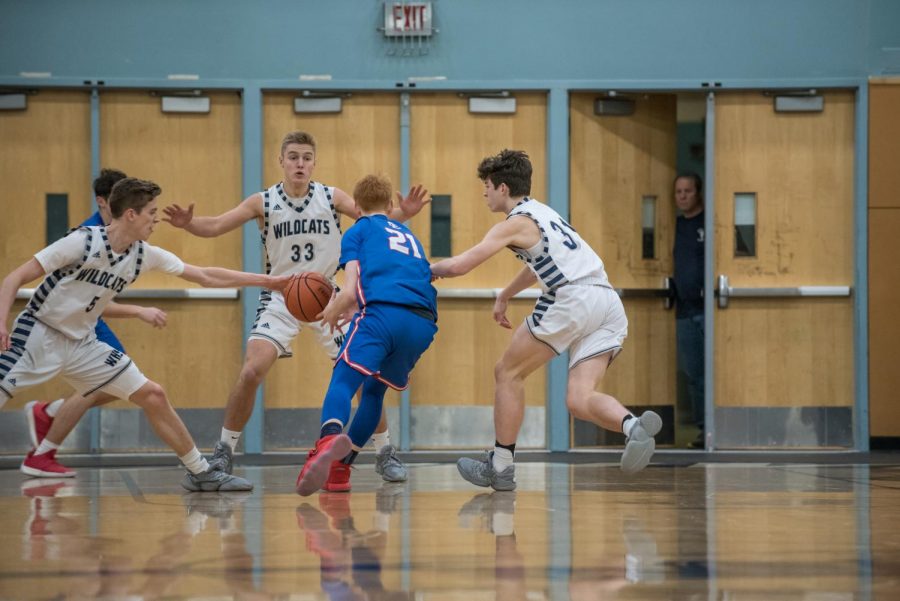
pixel 479 40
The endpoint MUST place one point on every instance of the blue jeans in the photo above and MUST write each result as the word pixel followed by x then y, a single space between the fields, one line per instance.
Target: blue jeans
pixel 689 344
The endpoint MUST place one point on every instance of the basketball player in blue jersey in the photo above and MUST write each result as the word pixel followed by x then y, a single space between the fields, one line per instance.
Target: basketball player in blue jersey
pixel 388 289
pixel 55 333
pixel 300 231
pixel 578 311
pixel 50 423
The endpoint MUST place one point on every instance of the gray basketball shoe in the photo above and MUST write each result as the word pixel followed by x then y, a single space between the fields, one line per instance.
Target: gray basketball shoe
pixel 222 457
pixel 214 480
pixel 639 446
pixel 389 466
pixel 480 472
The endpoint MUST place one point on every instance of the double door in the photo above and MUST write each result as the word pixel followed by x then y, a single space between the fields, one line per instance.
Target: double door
pixel 779 263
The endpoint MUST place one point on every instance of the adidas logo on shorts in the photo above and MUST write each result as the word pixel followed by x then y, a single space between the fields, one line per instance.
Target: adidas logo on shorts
pixel 96 255
pixel 266 326
pixel 12 381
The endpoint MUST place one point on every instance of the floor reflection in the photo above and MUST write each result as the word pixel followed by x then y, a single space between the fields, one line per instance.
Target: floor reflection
pixel 569 533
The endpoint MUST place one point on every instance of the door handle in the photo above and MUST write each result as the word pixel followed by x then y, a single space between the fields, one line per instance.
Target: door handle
pixel 665 292
pixel 724 291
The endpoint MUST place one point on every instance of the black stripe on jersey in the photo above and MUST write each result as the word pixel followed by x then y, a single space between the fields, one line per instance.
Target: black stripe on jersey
pixel 540 264
pixel 140 260
pixel 559 280
pixel 265 231
pixel 306 200
pixel 109 253
pixel 334 213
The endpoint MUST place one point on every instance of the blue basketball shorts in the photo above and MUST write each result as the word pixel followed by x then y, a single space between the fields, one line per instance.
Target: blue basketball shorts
pixel 385 342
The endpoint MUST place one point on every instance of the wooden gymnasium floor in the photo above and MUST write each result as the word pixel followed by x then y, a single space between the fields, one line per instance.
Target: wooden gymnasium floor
pixel 572 531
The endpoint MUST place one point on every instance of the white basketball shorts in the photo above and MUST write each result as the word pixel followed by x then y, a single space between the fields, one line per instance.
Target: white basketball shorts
pixel 87 365
pixel 276 325
pixel 585 320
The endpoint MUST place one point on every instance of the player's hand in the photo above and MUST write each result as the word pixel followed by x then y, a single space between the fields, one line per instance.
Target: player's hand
pixel 4 338
pixel 177 216
pixel 153 316
pixel 279 282
pixel 417 198
pixel 500 313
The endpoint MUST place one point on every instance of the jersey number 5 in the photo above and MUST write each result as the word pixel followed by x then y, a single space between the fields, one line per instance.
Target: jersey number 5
pixel 402 243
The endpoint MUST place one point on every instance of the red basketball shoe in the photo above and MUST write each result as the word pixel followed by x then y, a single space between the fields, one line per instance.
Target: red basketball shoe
pixel 39 421
pixel 45 465
pixel 316 470
pixel 338 478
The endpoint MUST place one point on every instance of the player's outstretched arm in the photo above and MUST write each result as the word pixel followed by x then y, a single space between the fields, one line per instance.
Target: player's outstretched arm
pixel 210 227
pixel 506 233
pixel 151 315
pixel 24 273
pixel 219 277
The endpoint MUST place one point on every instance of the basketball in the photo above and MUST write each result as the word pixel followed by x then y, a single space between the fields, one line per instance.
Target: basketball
pixel 307 294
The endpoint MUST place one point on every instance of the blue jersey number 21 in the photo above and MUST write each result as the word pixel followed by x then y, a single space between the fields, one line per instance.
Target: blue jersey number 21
pixel 402 242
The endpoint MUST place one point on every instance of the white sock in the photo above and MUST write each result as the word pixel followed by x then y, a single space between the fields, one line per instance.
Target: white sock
pixel 628 425
pixel 381 439
pixel 194 461
pixel 45 447
pixel 230 437
pixel 503 458
pixel 53 408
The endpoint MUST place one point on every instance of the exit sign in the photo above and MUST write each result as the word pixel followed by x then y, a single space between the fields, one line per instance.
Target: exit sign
pixel 407 19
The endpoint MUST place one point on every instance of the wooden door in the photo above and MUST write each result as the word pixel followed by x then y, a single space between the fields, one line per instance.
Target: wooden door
pixel 619 164
pixel 44 149
pixel 784 366
pixel 884 269
pixel 452 391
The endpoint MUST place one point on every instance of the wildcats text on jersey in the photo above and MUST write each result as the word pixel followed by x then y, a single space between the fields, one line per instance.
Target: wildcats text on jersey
pixel 104 279
pixel 301 226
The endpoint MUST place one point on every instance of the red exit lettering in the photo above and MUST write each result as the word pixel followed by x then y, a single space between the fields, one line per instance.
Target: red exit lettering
pixel 409 17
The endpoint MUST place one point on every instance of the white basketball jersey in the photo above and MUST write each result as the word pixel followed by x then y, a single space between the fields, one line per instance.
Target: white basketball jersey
pixel 72 298
pixel 561 256
pixel 301 234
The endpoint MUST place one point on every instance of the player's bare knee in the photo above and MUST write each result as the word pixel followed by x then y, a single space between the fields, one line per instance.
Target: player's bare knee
pixel 151 396
pixel 576 403
pixel 502 373
pixel 251 373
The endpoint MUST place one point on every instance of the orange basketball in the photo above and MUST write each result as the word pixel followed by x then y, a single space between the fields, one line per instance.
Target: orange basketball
pixel 307 294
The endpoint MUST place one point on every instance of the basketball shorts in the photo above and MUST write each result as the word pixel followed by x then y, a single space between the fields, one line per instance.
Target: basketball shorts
pixel 385 341
pixel 88 365
pixel 585 320
pixel 276 325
